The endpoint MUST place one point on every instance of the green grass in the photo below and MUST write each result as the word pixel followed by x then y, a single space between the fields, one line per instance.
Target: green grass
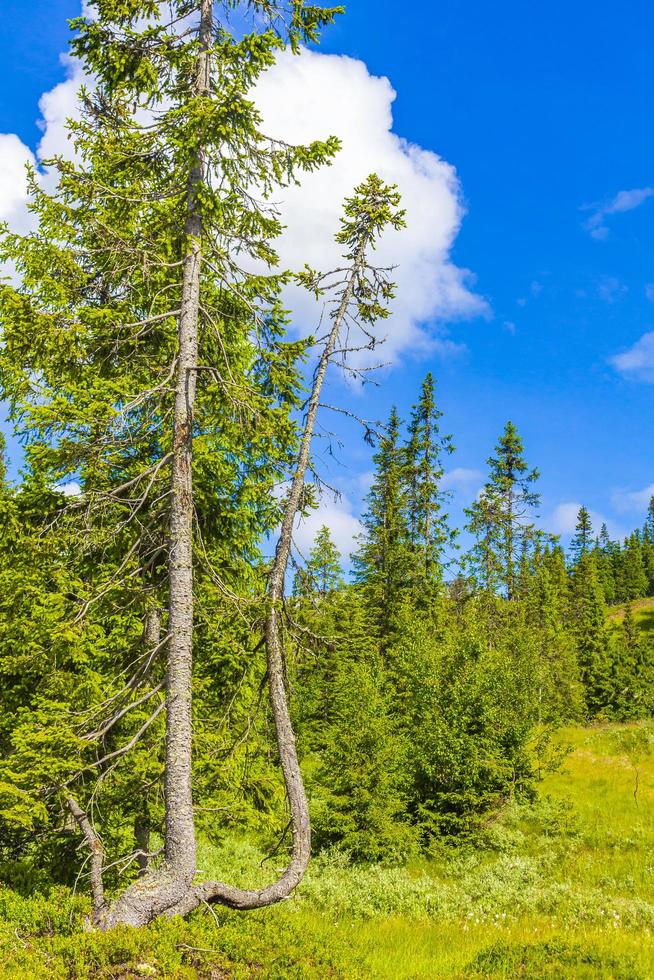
pixel 562 888
pixel 643 610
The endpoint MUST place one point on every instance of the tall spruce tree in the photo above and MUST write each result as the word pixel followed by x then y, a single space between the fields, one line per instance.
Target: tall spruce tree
pixel 587 614
pixel 142 358
pixel 632 582
pixel 604 557
pixel 582 540
pixel 560 695
pixel 500 518
pixel 383 563
pixel 648 530
pixel 429 531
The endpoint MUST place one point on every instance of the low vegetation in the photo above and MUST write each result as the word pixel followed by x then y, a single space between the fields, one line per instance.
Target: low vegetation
pixel 560 887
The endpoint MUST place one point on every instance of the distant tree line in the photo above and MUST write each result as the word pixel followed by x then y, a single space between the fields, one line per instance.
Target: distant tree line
pixel 426 688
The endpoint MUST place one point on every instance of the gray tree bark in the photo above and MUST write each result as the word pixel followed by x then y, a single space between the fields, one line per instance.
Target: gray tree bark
pixel 96 852
pixel 219 892
pixel 158 890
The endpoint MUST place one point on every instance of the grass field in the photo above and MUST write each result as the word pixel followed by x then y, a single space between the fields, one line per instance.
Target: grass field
pixel 643 610
pixel 562 888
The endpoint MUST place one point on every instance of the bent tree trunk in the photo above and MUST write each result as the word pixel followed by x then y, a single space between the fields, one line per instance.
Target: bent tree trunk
pixel 160 889
pixel 170 890
pixel 216 891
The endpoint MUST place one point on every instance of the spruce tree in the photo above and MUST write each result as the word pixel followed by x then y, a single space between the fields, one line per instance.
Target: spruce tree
pixel 648 530
pixel 429 532
pixel 383 563
pixel 587 613
pixel 632 671
pixel 647 549
pixel 604 557
pixel 582 540
pixel 500 518
pixel 632 581
pixel 162 373
pixel 560 695
pixel 323 572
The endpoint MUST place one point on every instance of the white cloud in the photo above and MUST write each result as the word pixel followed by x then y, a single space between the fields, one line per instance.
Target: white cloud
pixel 313 96
pixel 649 291
pixel 14 156
pixel 69 489
pixel 637 362
pixel 57 106
pixel 626 501
pixel 337 515
pixel 462 481
pixel 563 519
pixel 610 288
pixel 310 97
pixel 623 201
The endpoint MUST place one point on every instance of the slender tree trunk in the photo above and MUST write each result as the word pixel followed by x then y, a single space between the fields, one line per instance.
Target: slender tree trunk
pixel 142 840
pixel 96 852
pixel 151 639
pixel 157 891
pixel 218 892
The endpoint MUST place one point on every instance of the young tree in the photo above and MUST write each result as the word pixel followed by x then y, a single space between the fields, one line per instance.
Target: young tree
pixel 499 519
pixel 323 573
pixel 384 564
pixel 582 541
pixel 429 532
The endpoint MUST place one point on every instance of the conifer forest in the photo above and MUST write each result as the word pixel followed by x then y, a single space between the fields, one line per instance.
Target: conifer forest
pixel 226 755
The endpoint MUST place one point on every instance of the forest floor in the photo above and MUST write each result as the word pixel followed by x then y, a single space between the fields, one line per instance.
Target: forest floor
pixel 560 888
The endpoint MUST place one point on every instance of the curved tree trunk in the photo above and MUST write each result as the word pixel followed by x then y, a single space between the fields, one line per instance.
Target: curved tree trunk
pixel 216 891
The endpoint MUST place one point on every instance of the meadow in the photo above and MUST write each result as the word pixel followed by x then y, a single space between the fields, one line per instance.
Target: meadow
pixel 561 887
pixel 643 610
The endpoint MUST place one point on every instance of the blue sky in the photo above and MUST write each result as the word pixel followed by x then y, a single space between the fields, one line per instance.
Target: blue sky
pixel 543 111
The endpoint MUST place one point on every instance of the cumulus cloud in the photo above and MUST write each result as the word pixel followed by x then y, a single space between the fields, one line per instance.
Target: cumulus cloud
pixel 14 157
pixel 623 201
pixel 463 481
pixel 563 519
pixel 637 362
pixel 628 501
pixel 314 95
pixel 309 97
pixel 337 514
pixel 56 106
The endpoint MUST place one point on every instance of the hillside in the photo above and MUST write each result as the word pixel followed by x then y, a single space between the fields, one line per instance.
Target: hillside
pixel 643 610
pixel 562 888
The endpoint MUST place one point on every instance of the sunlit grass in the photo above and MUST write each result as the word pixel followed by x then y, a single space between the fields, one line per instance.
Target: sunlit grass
pixel 561 888
pixel 643 610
